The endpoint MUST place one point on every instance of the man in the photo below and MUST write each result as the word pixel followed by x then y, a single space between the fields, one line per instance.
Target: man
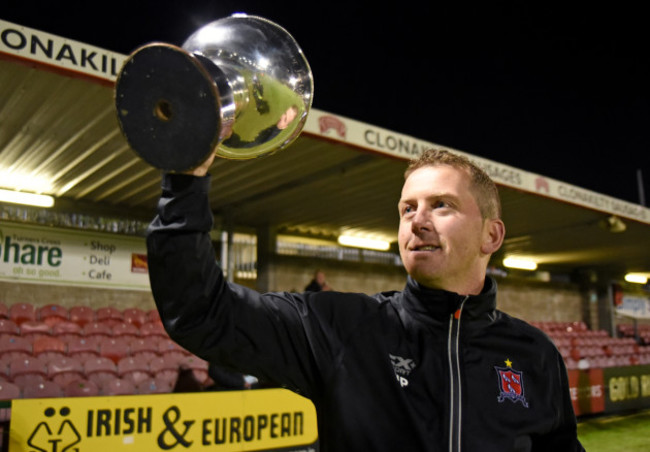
pixel 318 282
pixel 434 367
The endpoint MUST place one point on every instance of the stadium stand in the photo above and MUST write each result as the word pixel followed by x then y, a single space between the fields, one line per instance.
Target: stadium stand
pixel 582 348
pixel 87 351
pixel 632 331
pixel 80 351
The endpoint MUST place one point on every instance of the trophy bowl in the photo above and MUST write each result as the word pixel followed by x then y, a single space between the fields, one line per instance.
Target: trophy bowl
pixel 240 87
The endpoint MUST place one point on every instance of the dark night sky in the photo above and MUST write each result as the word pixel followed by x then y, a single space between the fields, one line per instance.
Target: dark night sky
pixel 559 91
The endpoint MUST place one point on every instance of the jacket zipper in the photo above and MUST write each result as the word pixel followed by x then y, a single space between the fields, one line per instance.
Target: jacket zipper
pixel 455 397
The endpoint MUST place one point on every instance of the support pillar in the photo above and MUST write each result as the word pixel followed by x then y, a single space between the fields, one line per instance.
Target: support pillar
pixel 266 247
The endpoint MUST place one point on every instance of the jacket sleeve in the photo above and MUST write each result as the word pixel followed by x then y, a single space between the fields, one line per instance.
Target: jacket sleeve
pixel 262 335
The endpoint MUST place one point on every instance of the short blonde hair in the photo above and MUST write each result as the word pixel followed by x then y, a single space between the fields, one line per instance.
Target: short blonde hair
pixel 483 188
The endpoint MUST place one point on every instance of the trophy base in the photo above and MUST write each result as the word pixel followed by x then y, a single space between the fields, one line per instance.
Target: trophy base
pixel 168 107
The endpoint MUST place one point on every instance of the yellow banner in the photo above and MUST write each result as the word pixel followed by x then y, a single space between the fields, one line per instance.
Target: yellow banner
pixel 261 419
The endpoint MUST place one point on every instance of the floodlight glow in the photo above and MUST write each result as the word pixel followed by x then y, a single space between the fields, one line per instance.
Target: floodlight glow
pixel 30 199
pixel 520 263
pixel 18 181
pixel 637 278
pixel 361 242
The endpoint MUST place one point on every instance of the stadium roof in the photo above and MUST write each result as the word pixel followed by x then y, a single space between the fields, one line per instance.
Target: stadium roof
pixel 58 123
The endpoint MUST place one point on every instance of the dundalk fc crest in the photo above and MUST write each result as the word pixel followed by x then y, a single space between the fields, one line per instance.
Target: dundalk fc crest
pixel 511 384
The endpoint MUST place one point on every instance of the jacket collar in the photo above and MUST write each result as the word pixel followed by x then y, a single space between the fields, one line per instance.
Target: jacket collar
pixel 441 303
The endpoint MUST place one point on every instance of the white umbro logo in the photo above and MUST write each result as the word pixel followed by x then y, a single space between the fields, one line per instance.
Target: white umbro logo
pixel 402 368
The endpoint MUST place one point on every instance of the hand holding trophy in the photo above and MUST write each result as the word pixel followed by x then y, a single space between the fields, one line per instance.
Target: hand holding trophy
pixel 239 87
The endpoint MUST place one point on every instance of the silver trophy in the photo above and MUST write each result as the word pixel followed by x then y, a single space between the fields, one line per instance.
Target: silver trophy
pixel 240 87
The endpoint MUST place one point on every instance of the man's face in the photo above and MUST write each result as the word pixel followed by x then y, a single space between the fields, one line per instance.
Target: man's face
pixel 287 117
pixel 443 241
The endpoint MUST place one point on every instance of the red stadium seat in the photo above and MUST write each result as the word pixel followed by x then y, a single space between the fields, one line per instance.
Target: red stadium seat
pixel 10 343
pixel 165 368
pixel 166 345
pixel 8 326
pixel 135 316
pixel 27 371
pixel 125 329
pixel 132 369
pixel 153 329
pixel 42 390
pixel 198 366
pixel 114 348
pixel 64 370
pixel 144 356
pixel 32 329
pixel 22 312
pixel 145 344
pixel 153 315
pixel 100 369
pixel 118 386
pixel 83 347
pixel 81 388
pixel 9 391
pixel 4 367
pixel 4 311
pixel 52 313
pixel 108 313
pixel 103 329
pixel 7 357
pixel 171 360
pixel 49 346
pixel 81 314
pixel 155 386
pixel 175 357
pixel 66 327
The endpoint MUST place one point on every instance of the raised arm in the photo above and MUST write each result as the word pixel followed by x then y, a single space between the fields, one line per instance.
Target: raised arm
pixel 263 335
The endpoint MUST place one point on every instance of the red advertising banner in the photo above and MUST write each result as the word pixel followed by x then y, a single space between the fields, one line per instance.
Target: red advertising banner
pixel 587 391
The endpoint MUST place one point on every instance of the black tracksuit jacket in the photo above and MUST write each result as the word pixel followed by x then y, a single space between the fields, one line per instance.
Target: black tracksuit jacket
pixel 411 370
